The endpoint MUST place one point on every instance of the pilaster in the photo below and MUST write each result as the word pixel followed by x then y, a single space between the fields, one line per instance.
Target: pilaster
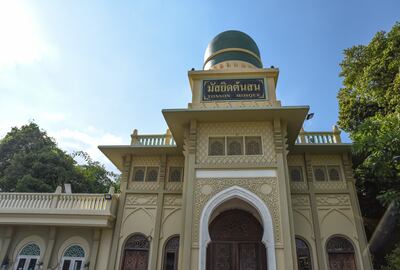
pixel 185 250
pixel 285 198
pixel 112 263
pixel 365 254
pixel 49 247
pixel 314 214
pixel 95 248
pixel 158 221
pixel 6 245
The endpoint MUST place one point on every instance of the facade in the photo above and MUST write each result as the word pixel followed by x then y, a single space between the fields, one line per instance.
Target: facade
pixel 235 183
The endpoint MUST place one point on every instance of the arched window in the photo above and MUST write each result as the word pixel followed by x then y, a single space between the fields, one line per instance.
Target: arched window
pixel 171 254
pixel 216 146
pixel 136 253
pixel 73 258
pixel 152 174
pixel 334 174
pixel 253 146
pixel 235 145
pixel 28 257
pixel 303 255
pixel 138 174
pixel 319 173
pixel 340 254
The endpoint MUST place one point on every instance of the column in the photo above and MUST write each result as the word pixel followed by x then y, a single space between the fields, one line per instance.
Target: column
pixel 155 244
pixel 185 249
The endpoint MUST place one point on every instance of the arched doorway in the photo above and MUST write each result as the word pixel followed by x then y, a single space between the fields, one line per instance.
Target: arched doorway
pixel 236 242
pixel 340 254
pixel 136 253
pixel 303 255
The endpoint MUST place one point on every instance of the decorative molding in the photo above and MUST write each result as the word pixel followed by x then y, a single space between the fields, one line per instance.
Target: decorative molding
pixel 298 186
pixel 141 199
pixel 254 185
pixel 263 129
pixel 235 173
pixel 172 200
pixel 253 200
pixel 174 186
pixel 300 200
pixel 151 186
pixel 333 200
pixel 329 185
pixel 295 160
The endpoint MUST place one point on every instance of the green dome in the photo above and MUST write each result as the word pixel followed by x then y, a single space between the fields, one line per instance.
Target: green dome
pixel 230 46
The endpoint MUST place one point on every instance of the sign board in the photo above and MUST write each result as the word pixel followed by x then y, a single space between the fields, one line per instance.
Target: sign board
pixel 234 89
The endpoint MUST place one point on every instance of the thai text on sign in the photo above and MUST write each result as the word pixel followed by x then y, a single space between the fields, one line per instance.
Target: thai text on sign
pixel 233 89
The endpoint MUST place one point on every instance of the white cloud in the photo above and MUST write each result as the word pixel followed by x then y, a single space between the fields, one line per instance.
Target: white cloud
pixel 88 141
pixel 21 39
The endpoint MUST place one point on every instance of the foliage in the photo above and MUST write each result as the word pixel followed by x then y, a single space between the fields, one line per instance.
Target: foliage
pixel 30 161
pixel 393 260
pixel 369 110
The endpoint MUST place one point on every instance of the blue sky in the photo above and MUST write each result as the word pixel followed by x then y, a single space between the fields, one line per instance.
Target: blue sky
pixel 89 72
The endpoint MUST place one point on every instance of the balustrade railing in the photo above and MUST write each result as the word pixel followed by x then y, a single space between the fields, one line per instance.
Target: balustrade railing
pixel 152 140
pixel 61 201
pixel 321 137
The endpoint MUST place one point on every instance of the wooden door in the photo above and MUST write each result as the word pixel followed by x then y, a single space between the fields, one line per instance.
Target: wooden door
pixel 135 260
pixel 342 261
pixel 236 243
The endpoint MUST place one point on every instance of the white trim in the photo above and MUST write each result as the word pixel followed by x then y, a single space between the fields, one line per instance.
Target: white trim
pixel 253 200
pixel 239 173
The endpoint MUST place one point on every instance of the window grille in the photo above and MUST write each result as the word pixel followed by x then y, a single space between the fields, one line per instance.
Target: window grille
pixel 175 174
pixel 334 173
pixel 235 145
pixel 75 251
pixel 296 174
pixel 152 174
pixel 138 174
pixel 30 250
pixel 319 173
pixel 253 146
pixel 303 255
pixel 217 146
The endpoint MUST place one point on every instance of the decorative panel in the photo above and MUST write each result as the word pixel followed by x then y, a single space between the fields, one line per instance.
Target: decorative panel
pixel 295 160
pixel 265 188
pixel 141 199
pixel 263 129
pixel 329 185
pixel 300 200
pixel 172 200
pixel 325 159
pixel 333 200
pixel 146 161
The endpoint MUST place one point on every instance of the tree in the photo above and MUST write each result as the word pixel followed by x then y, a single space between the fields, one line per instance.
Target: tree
pixel 97 177
pixel 30 161
pixel 369 110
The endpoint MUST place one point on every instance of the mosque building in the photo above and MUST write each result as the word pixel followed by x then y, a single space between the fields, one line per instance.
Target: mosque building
pixel 234 184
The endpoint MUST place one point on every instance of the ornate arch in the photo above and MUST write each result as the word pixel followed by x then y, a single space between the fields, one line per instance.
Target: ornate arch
pixel 254 201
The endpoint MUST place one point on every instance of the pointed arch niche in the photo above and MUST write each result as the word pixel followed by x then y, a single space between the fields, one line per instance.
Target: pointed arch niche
pixel 238 198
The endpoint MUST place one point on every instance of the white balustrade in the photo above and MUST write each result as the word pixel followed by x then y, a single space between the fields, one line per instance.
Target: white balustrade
pixel 62 201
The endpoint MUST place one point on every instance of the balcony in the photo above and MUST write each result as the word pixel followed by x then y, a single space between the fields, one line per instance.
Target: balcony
pixel 152 140
pixel 320 137
pixel 58 208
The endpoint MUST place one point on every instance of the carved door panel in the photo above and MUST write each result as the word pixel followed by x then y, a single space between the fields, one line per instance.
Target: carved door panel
pixel 248 257
pixel 236 256
pixel 342 261
pixel 221 256
pixel 135 260
pixel 251 256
